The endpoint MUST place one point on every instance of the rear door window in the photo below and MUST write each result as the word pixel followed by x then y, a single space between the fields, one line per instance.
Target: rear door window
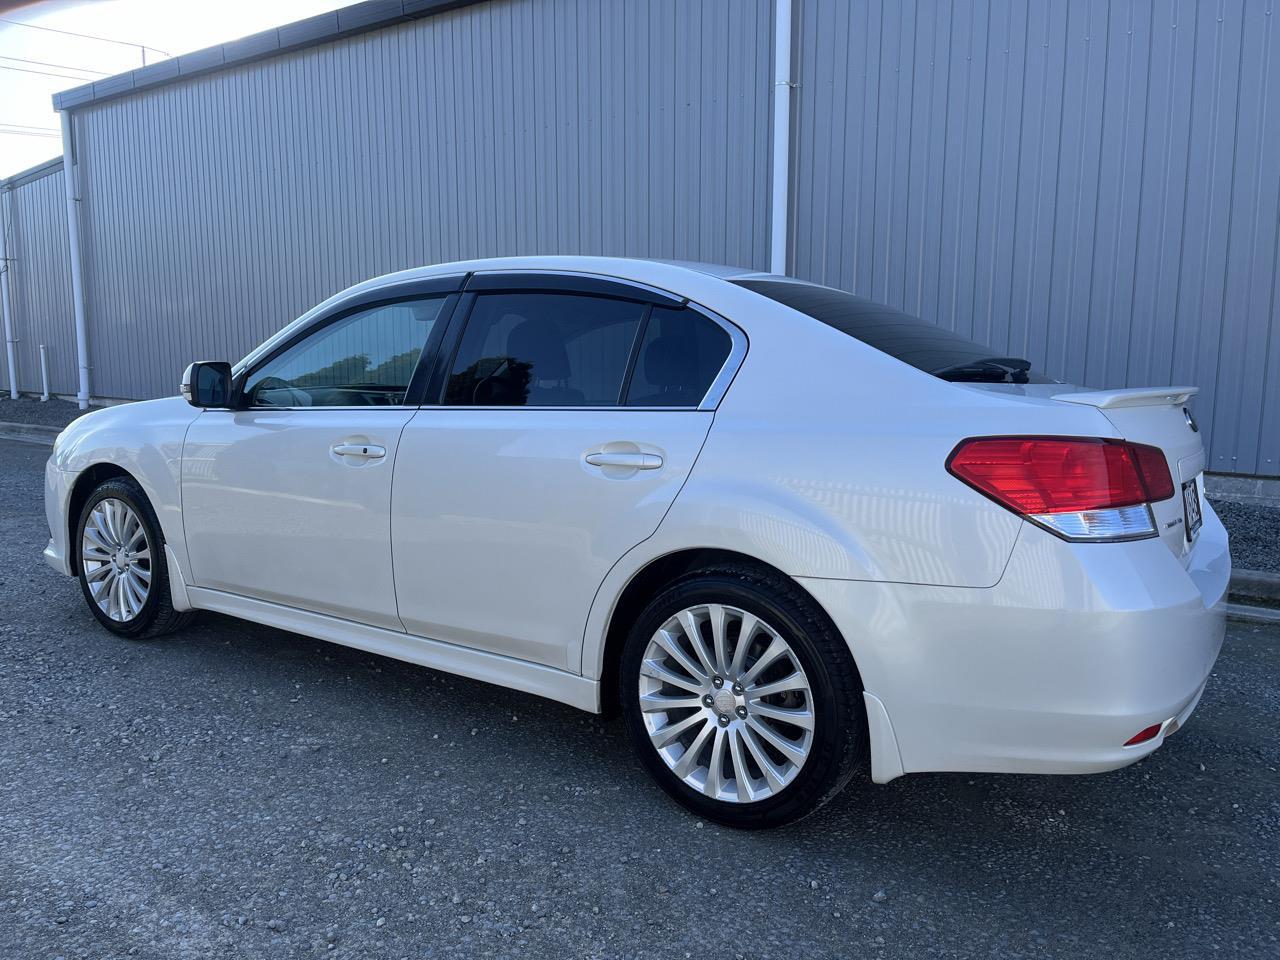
pixel 544 349
pixel 680 356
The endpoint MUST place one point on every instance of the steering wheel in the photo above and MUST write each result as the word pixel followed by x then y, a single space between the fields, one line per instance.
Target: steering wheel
pixel 297 397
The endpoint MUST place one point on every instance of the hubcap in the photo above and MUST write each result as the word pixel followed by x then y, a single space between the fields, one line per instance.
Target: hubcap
pixel 116 556
pixel 726 703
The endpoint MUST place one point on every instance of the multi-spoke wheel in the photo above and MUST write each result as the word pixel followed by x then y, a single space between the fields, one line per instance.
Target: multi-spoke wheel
pixel 116 556
pixel 726 703
pixel 122 566
pixel 744 702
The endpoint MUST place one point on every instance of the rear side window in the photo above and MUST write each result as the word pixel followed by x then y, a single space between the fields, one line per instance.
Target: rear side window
pixel 924 346
pixel 544 349
pixel 679 358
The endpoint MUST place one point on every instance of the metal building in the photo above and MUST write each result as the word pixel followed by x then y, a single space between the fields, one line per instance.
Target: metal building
pixel 1094 186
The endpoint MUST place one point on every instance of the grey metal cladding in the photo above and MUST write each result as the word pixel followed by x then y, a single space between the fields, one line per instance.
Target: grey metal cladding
pixel 378 12
pixel 323 28
pixel 1092 186
pixel 216 210
pixel 310 30
pixel 1089 185
pixel 255 45
pixel 39 279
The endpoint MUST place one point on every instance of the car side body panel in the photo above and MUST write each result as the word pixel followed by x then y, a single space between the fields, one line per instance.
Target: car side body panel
pixel 502 530
pixel 145 440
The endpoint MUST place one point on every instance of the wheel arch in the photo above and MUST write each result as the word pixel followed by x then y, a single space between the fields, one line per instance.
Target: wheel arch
pixel 655 575
pixel 82 489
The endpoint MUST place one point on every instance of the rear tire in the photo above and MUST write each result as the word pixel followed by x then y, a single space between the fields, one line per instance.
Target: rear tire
pixel 123 570
pixel 735 736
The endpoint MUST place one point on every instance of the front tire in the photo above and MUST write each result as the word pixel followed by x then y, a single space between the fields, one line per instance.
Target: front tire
pixel 741 698
pixel 123 573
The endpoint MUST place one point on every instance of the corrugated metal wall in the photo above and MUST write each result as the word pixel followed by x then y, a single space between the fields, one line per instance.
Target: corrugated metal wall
pixel 1092 185
pixel 40 283
pixel 217 209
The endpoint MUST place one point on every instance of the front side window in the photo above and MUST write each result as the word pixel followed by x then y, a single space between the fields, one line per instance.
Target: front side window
pixel 364 360
pixel 544 349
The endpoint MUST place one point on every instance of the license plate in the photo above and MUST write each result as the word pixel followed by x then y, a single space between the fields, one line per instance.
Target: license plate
pixel 1191 505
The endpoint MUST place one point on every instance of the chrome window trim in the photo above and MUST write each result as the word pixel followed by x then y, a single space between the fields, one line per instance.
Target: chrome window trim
pixel 738 345
pixel 441 406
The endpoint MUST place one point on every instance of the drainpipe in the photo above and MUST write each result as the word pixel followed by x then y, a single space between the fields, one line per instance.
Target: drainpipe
pixel 779 189
pixel 6 307
pixel 73 242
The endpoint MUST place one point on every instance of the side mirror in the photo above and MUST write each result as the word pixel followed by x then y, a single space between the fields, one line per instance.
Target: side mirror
pixel 207 383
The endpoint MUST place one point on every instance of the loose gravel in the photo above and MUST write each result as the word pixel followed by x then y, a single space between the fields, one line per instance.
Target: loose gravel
pixel 1255 533
pixel 236 791
pixel 46 413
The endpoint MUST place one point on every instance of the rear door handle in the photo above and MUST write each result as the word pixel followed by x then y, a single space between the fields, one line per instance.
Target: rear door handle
pixel 635 461
pixel 368 450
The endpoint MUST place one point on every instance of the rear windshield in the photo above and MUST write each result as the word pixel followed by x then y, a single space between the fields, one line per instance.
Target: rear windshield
pixel 923 345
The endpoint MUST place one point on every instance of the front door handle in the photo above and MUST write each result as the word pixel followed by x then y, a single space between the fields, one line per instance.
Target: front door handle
pixel 368 451
pixel 634 461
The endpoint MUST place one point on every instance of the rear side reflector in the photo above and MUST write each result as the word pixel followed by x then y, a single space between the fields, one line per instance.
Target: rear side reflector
pixel 1081 488
pixel 1142 736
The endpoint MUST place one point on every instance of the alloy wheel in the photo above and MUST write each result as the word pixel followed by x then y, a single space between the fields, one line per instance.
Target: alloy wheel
pixel 116 555
pixel 726 703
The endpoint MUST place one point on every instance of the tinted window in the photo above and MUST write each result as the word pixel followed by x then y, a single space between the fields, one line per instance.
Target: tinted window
pixel 365 359
pixel 544 349
pixel 925 346
pixel 681 354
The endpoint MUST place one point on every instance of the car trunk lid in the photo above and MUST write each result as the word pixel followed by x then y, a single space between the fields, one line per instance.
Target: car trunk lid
pixel 1160 418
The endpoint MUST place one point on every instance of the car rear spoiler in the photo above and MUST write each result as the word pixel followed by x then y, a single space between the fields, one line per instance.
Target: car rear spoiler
pixel 1133 397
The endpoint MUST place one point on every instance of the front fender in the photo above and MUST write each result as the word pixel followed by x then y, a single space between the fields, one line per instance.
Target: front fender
pixel 145 440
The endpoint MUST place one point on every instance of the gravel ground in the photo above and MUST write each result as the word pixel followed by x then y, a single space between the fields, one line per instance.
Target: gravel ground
pixel 1255 534
pixel 237 791
pixel 48 413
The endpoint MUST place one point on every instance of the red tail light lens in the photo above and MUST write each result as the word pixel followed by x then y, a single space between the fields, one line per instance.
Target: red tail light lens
pixel 1046 478
pixel 1154 469
pixel 1142 736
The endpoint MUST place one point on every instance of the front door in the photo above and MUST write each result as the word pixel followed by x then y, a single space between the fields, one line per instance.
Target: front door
pixel 569 422
pixel 288 499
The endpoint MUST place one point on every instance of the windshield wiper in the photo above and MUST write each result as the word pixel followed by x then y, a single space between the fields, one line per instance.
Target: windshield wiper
pixel 988 370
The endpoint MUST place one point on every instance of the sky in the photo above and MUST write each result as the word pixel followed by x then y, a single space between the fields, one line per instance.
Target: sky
pixel 53 45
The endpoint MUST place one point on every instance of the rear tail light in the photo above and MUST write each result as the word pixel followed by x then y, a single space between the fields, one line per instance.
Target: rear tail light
pixel 1079 488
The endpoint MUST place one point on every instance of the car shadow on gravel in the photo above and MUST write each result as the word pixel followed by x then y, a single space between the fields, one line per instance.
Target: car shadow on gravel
pixel 409 704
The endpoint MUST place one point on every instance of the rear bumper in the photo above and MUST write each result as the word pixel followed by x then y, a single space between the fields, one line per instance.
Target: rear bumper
pixel 1077 649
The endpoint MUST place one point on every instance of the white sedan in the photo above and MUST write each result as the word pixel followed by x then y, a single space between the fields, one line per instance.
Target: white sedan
pixel 789 533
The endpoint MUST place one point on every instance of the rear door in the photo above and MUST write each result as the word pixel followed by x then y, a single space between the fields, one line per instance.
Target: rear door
pixel 569 413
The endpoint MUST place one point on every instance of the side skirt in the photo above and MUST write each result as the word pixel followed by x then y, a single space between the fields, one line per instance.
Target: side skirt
pixel 492 668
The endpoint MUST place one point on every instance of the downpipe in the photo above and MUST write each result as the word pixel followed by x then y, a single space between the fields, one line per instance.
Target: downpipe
pixel 73 243
pixel 779 188
pixel 6 307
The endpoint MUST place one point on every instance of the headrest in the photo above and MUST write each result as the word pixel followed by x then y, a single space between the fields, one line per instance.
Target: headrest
pixel 671 361
pixel 537 341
